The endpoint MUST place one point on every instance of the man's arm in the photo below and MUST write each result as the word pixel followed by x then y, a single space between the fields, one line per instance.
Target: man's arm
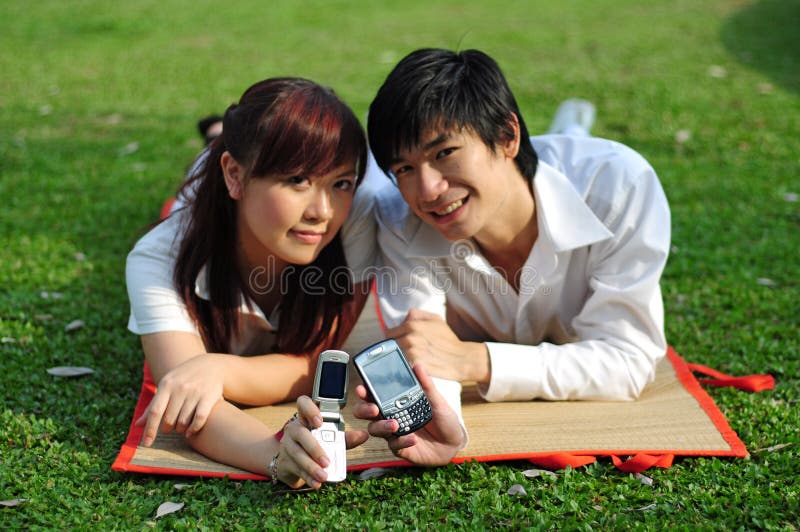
pixel 620 326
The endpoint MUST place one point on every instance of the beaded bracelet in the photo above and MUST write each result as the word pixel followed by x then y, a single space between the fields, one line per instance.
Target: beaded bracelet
pixel 273 464
pixel 273 468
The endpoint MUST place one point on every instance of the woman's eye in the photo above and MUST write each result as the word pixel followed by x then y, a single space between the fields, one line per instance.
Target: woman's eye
pixel 297 180
pixel 344 184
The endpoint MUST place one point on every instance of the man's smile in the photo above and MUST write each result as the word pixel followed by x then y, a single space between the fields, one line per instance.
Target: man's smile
pixel 448 208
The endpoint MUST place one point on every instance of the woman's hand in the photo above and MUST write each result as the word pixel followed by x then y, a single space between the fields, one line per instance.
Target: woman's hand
pixel 434 444
pixel 301 459
pixel 184 398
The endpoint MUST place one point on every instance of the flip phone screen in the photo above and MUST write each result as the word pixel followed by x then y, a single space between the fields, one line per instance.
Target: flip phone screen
pixel 332 380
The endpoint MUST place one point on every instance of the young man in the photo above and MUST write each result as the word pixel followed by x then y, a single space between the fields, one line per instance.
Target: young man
pixel 531 267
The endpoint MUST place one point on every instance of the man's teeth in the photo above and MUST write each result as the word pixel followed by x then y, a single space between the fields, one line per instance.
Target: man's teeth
pixel 450 208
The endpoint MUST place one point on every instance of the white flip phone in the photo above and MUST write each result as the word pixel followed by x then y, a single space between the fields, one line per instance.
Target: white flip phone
pixel 330 393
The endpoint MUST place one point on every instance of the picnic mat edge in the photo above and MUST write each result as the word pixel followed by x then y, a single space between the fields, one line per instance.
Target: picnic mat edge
pixel 124 460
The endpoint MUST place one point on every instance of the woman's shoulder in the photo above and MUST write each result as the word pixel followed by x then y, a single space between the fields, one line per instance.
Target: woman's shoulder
pixel 163 239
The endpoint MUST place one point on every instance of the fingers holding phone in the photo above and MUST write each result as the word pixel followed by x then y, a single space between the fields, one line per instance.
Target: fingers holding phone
pixel 434 444
pixel 301 459
pixel 393 386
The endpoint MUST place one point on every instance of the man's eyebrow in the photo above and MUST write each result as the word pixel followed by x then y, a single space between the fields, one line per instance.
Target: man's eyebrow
pixel 442 137
pixel 439 139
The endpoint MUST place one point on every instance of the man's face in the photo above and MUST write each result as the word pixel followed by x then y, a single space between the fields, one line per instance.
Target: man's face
pixel 455 183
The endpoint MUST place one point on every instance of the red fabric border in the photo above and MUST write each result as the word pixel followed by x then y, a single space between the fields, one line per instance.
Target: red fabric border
pixel 641 459
pixel 748 383
pixel 691 384
pixel 123 462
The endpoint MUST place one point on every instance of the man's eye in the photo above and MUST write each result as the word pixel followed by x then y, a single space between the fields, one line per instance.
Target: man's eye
pixel 445 152
pixel 400 170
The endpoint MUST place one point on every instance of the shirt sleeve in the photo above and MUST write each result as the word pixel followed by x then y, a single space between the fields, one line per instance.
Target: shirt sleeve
pixel 620 328
pixel 359 238
pixel 156 305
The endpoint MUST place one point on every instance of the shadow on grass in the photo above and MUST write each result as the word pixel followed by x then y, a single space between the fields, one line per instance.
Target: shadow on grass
pixel 766 36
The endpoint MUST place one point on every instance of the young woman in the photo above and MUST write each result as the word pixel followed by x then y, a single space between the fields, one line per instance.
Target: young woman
pixel 247 268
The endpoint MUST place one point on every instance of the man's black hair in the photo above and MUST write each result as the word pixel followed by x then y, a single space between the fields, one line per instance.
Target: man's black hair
pixel 448 90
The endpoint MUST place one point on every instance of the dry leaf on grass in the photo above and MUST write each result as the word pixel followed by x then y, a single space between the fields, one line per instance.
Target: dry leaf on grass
pixel 74 325
pixel 516 489
pixel 763 281
pixel 181 486
pixel 132 147
pixel 373 472
pixel 773 448
pixel 44 294
pixel 717 71
pixel 791 197
pixel 647 481
pixel 12 502
pixel 168 508
pixel 645 508
pixel 533 473
pixel 70 371
pixel 765 88
pixel 8 340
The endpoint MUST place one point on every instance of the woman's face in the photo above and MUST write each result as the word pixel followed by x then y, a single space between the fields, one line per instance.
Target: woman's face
pixel 288 219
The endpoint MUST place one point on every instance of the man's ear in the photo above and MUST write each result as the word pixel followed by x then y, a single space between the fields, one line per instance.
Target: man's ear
pixel 510 146
pixel 234 175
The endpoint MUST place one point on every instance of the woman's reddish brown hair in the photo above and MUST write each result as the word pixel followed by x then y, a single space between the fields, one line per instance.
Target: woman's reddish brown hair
pixel 288 126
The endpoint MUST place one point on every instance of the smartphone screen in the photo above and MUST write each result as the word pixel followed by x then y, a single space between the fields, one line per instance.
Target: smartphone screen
pixel 390 377
pixel 332 380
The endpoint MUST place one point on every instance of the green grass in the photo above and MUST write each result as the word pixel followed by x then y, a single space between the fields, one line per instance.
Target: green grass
pixel 82 84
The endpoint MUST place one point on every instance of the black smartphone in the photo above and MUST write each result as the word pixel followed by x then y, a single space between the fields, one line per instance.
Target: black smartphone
pixel 330 393
pixel 393 386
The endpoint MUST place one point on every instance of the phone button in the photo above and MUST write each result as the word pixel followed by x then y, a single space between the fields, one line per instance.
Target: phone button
pixel 377 350
pixel 400 403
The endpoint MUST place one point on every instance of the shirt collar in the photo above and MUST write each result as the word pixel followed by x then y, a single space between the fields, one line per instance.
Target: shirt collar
pixel 564 216
pixel 564 219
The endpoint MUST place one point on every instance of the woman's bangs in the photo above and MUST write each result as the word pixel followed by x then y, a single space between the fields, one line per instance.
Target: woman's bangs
pixel 312 134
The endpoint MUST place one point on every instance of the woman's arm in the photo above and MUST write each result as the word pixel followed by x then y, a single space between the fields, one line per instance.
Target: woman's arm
pixel 189 399
pixel 233 437
pixel 191 381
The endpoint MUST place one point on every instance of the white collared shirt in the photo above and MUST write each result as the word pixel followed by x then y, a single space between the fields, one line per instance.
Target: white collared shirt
pixel 156 306
pixel 587 322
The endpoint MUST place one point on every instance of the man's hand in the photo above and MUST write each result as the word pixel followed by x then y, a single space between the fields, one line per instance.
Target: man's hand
pixel 434 444
pixel 427 339
pixel 184 398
